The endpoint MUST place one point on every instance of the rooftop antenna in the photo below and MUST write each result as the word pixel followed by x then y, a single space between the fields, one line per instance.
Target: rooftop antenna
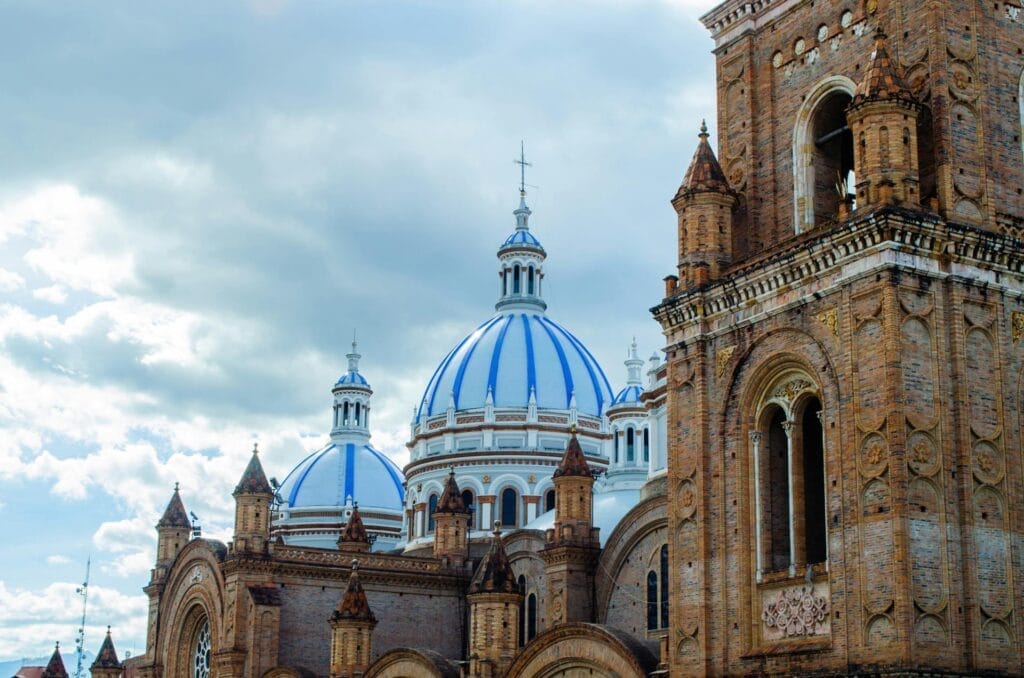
pixel 522 167
pixel 83 591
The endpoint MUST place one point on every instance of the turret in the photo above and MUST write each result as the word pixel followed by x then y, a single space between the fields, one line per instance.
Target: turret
pixel 253 495
pixel 352 626
pixel 883 119
pixel 352 394
pixel 570 554
pixel 494 601
pixel 55 667
pixel 107 664
pixel 172 531
pixel 521 260
pixel 354 537
pixel 451 525
pixel 705 206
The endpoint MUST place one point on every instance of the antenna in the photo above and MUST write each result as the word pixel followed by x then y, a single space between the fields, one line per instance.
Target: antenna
pixel 522 167
pixel 83 591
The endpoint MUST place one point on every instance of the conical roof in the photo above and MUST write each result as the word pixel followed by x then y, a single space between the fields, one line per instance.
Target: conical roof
pixel 254 480
pixel 495 572
pixel 55 667
pixel 705 175
pixel 574 463
pixel 883 80
pixel 353 604
pixel 175 514
pixel 106 658
pixel 451 498
pixel 355 531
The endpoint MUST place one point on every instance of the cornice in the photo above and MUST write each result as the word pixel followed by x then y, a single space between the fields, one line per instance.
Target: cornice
pixel 506 457
pixel 909 237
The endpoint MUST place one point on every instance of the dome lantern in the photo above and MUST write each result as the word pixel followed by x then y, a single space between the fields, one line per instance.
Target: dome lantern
pixel 351 403
pixel 521 259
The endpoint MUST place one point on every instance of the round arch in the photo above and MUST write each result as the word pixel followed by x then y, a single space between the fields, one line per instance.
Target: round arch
pixel 405 662
pixel 804 148
pixel 599 650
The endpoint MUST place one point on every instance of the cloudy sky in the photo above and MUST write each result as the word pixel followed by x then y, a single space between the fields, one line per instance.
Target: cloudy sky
pixel 199 203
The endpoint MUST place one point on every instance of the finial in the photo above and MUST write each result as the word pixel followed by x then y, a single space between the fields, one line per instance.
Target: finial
pixel 497 528
pixel 354 344
pixel 572 428
pixel 175 485
pixel 451 470
pixel 57 646
pixel 255 448
pixel 355 564
pixel 108 629
pixel 522 168
pixel 880 33
pixel 703 129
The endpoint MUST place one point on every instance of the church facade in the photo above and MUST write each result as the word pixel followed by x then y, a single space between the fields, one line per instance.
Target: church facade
pixel 825 474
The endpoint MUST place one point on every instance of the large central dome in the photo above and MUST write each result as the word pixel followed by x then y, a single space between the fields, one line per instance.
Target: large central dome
pixel 511 356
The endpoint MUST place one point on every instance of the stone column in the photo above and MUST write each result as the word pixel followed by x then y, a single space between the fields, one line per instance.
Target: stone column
pixel 788 427
pixel 755 442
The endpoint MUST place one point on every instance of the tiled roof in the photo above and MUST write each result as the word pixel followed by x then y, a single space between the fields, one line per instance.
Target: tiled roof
pixel 106 658
pixel 355 531
pixel 254 480
pixel 495 572
pixel 883 80
pixel 175 515
pixel 573 461
pixel 705 175
pixel 55 667
pixel 451 498
pixel 354 604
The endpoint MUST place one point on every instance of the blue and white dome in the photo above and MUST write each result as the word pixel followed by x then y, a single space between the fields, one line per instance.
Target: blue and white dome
pixel 329 476
pixel 522 238
pixel 352 379
pixel 628 396
pixel 509 358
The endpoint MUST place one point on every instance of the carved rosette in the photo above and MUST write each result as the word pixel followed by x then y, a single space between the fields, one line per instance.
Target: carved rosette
pixel 795 612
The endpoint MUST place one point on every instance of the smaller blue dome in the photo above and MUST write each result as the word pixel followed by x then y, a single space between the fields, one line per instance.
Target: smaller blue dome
pixel 628 395
pixel 521 237
pixel 352 378
pixel 341 470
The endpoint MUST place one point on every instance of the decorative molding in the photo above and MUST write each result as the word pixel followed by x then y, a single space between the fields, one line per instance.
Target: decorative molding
pixel 1017 326
pixel 722 359
pixel 796 612
pixel 830 318
pixel 791 389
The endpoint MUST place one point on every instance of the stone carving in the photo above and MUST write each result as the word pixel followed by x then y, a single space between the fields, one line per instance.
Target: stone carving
pixel 795 612
pixel 875 453
pixel 1017 326
pixel 830 318
pixel 722 359
pixel 196 576
pixel 1012 12
pixel 791 389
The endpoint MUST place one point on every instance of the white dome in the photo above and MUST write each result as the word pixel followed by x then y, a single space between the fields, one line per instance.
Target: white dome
pixel 338 471
pixel 511 355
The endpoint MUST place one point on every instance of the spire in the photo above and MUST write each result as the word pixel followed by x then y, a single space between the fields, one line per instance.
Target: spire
pixel 353 357
pixel 354 605
pixel 705 175
pixel 882 80
pixel 254 480
pixel 55 667
pixel 633 365
pixel 106 658
pixel 451 497
pixel 495 572
pixel 175 514
pixel 574 463
pixel 355 531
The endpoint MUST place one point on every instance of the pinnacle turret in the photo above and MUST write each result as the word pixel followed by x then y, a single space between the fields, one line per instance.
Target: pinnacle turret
pixel 495 572
pixel 254 480
pixel 106 658
pixel 574 462
pixel 704 174
pixel 451 498
pixel 55 667
pixel 175 514
pixel 883 79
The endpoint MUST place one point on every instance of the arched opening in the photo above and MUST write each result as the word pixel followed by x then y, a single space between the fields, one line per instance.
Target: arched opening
pixel 615 437
pixel 521 581
pixel 529 280
pixel 630 445
pixel 358 412
pixel 431 507
pixel 509 499
pixel 531 617
pixel 504 282
pixel 515 279
pixel 344 415
pixel 647 445
pixel 549 501
pixel 467 500
pixel 652 600
pixel 664 585
pixel 814 482
pixel 824 164
pixel 1020 102
pixel 776 517
pixel 202 648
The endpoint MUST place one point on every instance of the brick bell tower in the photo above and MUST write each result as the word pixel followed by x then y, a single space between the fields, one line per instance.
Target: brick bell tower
pixel 844 388
pixel 451 525
pixel 253 495
pixel 573 544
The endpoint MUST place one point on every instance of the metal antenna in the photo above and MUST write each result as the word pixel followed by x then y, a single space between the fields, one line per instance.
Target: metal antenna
pixel 522 167
pixel 83 591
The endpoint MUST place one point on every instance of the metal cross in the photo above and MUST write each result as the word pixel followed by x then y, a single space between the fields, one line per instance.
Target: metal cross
pixel 522 167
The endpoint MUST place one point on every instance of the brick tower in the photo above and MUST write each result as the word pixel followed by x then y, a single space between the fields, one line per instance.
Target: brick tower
pixel 845 477
pixel 494 600
pixel 451 525
pixel 173 530
pixel 573 545
pixel 352 627
pixel 106 664
pixel 253 495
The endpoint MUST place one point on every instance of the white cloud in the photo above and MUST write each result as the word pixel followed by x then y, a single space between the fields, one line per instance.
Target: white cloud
pixel 57 559
pixel 10 281
pixel 55 294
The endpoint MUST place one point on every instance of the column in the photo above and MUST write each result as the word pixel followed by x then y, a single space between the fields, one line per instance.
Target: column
pixel 421 512
pixel 788 427
pixel 824 479
pixel 755 442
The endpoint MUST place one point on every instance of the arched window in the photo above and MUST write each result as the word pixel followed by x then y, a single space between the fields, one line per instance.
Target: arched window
pixel 467 499
pixel 664 585
pixel 823 154
pixel 615 437
pixel 777 518
pixel 504 282
pixel 344 415
pixel 358 405
pixel 431 507
pixel 202 648
pixel 549 501
pixel 531 617
pixel 652 600
pixel 515 279
pixel 813 453
pixel 529 280
pixel 647 445
pixel 509 499
pixel 630 446
pixel 521 581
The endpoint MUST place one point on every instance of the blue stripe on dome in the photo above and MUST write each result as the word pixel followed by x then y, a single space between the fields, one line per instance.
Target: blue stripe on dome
pixel 305 472
pixel 566 372
pixel 531 367
pixel 630 394
pixel 392 471
pixel 350 470
pixel 439 372
pixel 492 376
pixel 457 387
pixel 590 370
